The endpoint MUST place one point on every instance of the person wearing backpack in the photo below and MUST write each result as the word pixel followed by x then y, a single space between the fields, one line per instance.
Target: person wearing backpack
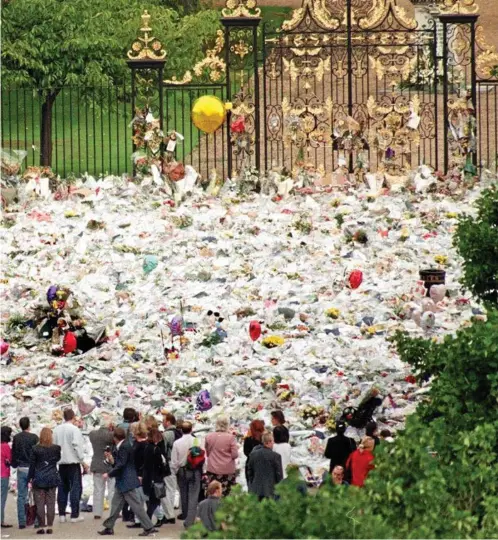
pixel 187 461
pixel 170 435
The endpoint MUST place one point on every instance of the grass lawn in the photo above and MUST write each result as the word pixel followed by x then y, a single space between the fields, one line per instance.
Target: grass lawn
pixel 93 135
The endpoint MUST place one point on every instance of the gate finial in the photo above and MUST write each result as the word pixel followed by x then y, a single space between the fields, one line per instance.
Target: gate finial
pixel 146 47
pixel 241 8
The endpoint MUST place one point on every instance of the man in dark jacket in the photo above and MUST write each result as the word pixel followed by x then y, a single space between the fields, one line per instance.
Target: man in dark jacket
pixel 102 440
pixel 339 447
pixel 264 468
pixel 22 449
pixel 127 484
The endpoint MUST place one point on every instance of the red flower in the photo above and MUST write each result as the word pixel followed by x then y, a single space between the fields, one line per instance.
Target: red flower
pixel 238 125
pixel 410 379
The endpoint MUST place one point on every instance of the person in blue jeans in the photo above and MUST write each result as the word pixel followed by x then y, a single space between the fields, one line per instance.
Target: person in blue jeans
pixel 22 450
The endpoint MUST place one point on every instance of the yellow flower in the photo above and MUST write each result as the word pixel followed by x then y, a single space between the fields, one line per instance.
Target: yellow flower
pixel 129 348
pixel 333 313
pixel 451 215
pixel 441 259
pixel 70 213
pixel 273 341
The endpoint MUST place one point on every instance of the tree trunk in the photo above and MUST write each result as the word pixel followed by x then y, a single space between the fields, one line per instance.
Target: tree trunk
pixel 46 130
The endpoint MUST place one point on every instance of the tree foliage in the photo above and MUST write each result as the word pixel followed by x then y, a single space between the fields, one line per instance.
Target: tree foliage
pixel 440 477
pixel 476 240
pixel 52 43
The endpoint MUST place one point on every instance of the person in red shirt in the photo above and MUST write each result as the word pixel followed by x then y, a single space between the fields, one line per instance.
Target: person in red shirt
pixel 360 462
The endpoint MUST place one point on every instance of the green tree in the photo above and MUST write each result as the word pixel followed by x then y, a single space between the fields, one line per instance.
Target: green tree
pixel 476 240
pixel 184 6
pixel 48 44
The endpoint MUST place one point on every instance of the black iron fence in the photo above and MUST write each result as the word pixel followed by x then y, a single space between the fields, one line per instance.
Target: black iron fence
pixel 90 128
pixel 487 124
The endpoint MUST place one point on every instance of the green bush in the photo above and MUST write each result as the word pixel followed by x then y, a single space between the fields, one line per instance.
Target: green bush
pixel 476 240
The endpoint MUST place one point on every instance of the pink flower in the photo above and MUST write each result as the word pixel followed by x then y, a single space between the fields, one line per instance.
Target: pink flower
pixel 238 125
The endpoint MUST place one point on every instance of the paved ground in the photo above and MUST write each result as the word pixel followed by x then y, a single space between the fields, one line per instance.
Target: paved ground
pixel 85 530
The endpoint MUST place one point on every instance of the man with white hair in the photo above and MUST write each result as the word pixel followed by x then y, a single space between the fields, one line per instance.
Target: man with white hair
pixel 264 468
pixel 102 441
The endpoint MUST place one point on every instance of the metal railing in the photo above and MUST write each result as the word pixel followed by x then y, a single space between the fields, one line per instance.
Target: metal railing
pixel 90 128
pixel 487 124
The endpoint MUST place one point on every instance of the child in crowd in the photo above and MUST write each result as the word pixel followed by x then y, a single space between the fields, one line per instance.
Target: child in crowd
pixel 207 508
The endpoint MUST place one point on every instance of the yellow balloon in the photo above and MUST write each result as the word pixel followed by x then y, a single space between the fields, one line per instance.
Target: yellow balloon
pixel 208 113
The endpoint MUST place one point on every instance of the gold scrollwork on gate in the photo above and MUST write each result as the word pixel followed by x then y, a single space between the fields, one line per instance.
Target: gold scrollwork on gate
pixel 382 10
pixel 394 64
pixel 487 58
pixel 212 62
pixel 308 70
pixel 241 48
pixel 307 122
pixel 313 10
pixel 464 7
pixel 394 127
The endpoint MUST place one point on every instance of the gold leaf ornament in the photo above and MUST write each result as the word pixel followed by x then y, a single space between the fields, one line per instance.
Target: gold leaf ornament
pixel 146 47
pixel 241 8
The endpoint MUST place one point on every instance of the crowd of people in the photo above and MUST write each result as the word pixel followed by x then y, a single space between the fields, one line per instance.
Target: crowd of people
pixel 142 463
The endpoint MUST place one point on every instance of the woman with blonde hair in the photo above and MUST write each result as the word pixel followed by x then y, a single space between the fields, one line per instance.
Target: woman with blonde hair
pixel 45 477
pixel 151 422
pixel 222 452
pixel 360 462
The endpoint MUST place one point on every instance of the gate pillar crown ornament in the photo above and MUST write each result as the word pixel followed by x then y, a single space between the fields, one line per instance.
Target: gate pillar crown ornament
pixel 146 59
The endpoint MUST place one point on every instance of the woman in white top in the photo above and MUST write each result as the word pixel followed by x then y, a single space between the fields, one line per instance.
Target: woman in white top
pixel 282 446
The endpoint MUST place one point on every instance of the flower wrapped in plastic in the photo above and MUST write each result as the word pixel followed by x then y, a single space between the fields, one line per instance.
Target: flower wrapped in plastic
pixel 270 342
